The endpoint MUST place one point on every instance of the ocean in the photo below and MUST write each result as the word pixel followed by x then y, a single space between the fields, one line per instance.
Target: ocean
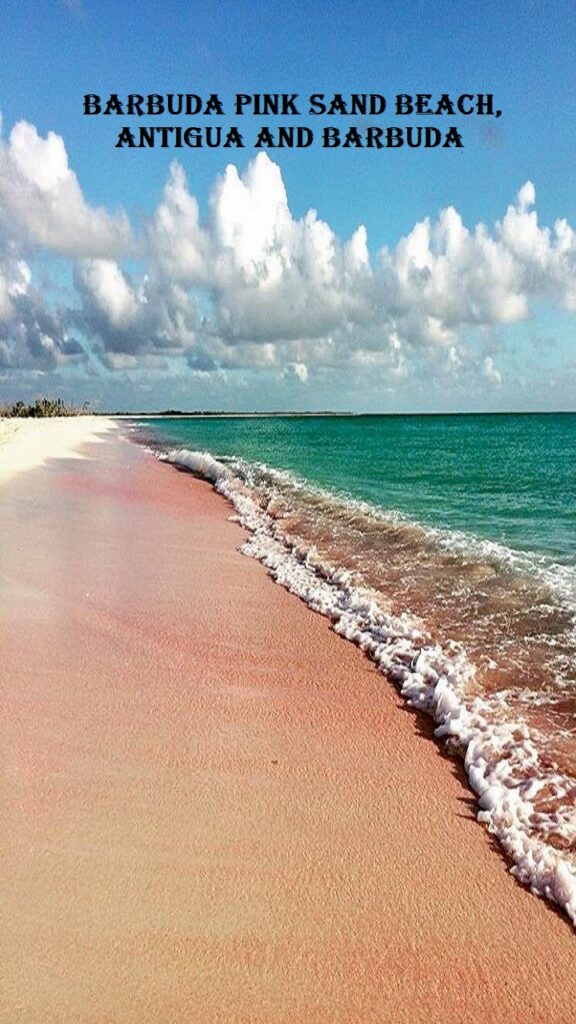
pixel 445 547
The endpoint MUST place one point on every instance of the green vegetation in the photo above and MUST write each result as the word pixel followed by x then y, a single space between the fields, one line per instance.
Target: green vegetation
pixel 42 407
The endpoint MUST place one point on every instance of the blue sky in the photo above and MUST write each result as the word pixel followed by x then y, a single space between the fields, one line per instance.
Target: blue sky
pixel 138 284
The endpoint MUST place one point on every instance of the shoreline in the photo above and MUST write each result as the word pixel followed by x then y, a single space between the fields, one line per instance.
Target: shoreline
pixel 216 808
pixel 334 414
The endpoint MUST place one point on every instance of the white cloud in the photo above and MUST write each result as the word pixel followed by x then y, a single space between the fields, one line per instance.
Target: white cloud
pixel 253 287
pixel 272 280
pixel 491 373
pixel 270 277
pixel 296 371
pixel 41 202
pixel 130 318
pixel 31 334
pixel 178 247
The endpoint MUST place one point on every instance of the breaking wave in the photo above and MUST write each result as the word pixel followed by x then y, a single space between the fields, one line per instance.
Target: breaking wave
pixel 478 636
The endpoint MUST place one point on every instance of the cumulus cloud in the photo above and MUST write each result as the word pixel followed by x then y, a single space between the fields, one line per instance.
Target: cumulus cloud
pixel 490 371
pixel 251 286
pixel 285 291
pixel 132 318
pixel 267 280
pixel 296 371
pixel 31 334
pixel 41 202
pixel 444 278
pixel 179 248
pixel 269 277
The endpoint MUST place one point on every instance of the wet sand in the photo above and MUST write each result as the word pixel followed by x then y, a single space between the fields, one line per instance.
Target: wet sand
pixel 216 810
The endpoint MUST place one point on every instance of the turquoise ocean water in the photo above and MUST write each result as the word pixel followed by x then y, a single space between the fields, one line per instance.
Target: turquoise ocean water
pixel 445 546
pixel 504 477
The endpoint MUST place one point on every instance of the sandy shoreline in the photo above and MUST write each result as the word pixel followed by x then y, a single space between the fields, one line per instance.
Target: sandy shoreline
pixel 27 443
pixel 216 810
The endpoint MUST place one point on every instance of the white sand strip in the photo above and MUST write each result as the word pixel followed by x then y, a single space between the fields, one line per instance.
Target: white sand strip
pixel 26 443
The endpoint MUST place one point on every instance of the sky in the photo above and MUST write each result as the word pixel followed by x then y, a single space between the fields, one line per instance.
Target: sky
pixel 389 279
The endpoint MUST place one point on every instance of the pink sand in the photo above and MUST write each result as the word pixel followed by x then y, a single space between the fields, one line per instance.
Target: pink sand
pixel 216 810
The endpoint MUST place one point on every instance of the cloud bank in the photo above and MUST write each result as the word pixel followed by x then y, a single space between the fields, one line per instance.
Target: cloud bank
pixel 254 288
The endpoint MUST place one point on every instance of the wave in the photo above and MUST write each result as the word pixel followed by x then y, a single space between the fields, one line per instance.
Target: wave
pixel 524 798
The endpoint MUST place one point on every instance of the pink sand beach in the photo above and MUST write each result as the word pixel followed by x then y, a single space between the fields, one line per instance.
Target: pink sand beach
pixel 215 810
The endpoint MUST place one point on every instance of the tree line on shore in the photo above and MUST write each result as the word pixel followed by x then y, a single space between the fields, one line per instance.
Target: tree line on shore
pixel 42 408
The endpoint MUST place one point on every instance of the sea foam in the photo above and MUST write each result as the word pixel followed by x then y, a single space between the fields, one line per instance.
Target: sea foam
pixel 522 801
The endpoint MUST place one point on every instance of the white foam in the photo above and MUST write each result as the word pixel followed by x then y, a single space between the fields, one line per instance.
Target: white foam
pixel 501 755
